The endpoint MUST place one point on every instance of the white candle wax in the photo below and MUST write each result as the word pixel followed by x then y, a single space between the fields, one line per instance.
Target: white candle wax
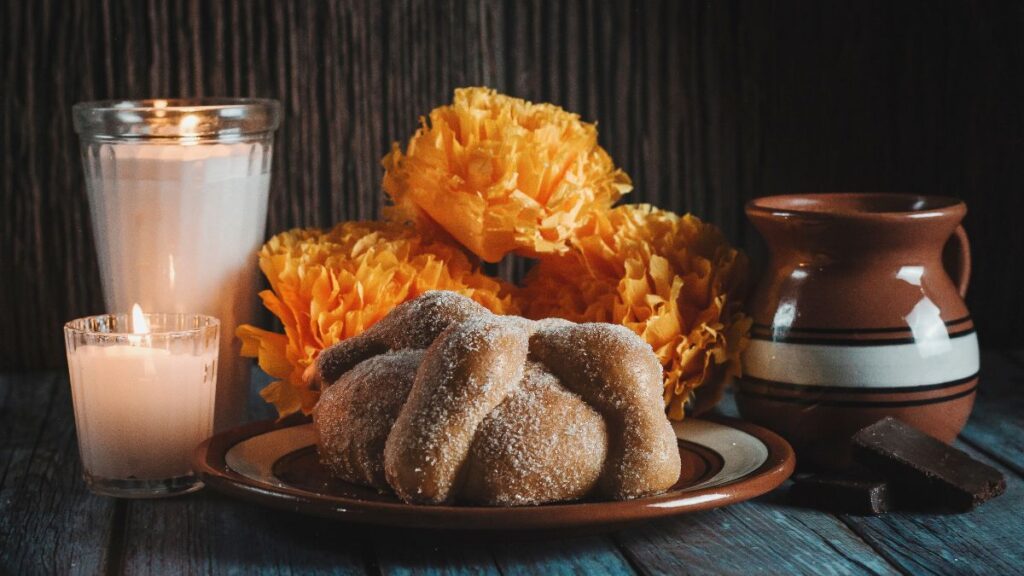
pixel 177 228
pixel 140 412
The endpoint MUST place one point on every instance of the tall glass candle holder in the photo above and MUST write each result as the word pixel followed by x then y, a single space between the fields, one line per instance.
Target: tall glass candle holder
pixel 178 197
pixel 143 391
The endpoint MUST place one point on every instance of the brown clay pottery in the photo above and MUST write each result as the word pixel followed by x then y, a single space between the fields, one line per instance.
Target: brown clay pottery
pixel 724 461
pixel 856 318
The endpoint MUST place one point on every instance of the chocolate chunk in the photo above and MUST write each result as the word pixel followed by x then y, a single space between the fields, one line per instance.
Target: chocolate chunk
pixel 842 493
pixel 924 468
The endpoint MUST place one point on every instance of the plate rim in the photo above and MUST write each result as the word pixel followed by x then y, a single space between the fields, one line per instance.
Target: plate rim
pixel 209 462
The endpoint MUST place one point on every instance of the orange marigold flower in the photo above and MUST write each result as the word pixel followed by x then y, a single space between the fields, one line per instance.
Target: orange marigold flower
pixel 328 286
pixel 675 281
pixel 500 174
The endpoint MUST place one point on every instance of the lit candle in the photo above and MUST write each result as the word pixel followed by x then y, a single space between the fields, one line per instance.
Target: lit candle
pixel 143 398
pixel 178 192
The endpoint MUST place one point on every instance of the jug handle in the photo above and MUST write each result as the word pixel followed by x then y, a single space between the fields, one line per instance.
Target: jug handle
pixel 963 262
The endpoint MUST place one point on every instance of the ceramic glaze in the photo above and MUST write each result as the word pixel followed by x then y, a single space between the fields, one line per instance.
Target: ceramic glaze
pixel 857 318
pixel 723 461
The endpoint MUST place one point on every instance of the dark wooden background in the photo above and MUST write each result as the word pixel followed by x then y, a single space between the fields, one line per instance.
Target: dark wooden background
pixel 705 104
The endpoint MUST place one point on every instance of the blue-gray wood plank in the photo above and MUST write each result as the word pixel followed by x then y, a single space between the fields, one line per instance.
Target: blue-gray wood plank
pixel 986 540
pixel 206 533
pixel 763 536
pixel 996 426
pixel 502 556
pixel 50 524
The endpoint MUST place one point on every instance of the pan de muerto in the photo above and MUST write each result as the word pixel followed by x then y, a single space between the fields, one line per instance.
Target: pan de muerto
pixel 442 401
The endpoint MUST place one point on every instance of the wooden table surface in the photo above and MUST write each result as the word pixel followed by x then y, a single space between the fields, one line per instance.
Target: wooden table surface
pixel 49 523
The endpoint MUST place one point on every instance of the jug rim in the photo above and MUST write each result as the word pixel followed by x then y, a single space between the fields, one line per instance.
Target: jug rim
pixel 856 205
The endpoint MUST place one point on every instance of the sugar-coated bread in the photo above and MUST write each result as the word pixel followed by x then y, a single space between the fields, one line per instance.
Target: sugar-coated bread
pixel 542 444
pixel 617 374
pixel 443 402
pixel 354 416
pixel 470 369
pixel 414 324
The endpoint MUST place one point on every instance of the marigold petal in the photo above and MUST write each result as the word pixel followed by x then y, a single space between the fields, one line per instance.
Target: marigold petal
pixel 330 285
pixel 500 174
pixel 673 280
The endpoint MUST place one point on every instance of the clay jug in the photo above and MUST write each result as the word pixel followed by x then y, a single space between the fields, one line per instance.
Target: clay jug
pixel 857 318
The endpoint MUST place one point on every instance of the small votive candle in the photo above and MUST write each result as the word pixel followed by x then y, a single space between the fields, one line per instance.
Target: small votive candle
pixel 143 387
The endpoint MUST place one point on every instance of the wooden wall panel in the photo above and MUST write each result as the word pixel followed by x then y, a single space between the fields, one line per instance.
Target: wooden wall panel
pixel 706 104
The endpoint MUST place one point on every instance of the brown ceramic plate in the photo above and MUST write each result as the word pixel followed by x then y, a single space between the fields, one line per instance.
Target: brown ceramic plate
pixel 724 461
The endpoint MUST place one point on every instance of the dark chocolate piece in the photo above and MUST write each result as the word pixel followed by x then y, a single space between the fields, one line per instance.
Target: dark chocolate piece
pixel 925 468
pixel 842 493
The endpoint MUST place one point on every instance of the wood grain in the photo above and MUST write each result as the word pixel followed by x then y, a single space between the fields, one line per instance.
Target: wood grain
pixel 206 533
pixel 595 555
pixel 976 542
pixel 705 104
pixel 775 539
pixel 182 535
pixel 433 559
pixel 983 541
pixel 996 427
pixel 49 523
pixel 500 554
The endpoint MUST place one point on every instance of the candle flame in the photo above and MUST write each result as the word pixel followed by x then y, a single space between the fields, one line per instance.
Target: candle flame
pixel 188 124
pixel 139 323
pixel 160 103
